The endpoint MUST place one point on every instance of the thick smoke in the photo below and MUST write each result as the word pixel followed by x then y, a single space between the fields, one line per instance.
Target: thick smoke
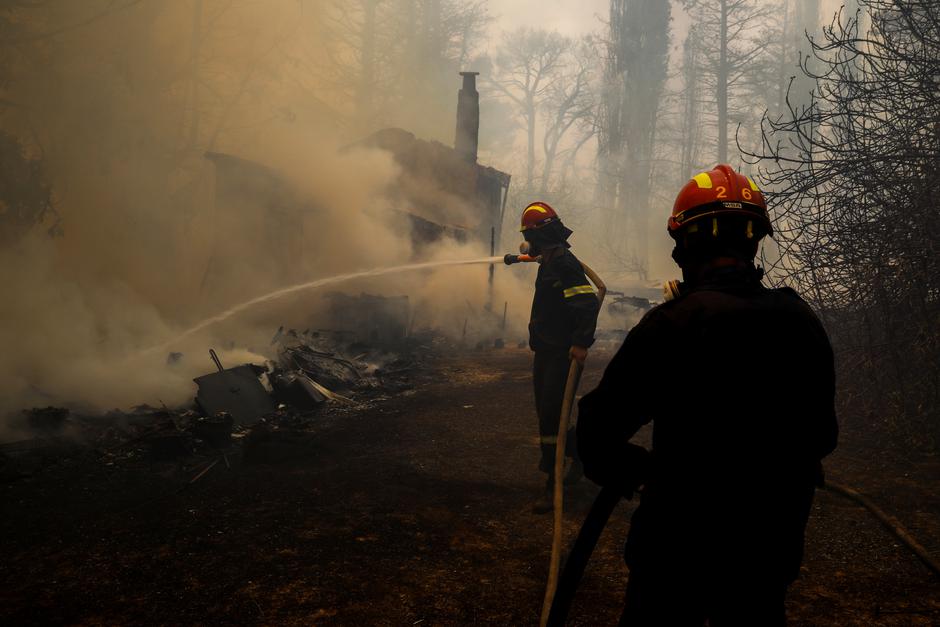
pixel 73 330
pixel 146 250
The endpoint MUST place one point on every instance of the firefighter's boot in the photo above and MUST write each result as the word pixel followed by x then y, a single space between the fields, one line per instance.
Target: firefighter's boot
pixel 546 502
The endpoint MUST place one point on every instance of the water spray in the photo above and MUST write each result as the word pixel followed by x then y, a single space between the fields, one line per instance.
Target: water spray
pixel 302 287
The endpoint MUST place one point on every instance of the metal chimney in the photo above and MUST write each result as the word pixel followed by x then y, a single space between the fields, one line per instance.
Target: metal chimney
pixel 467 137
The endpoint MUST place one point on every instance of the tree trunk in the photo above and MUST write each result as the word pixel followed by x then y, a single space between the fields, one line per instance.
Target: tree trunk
pixel 550 142
pixel 547 169
pixel 642 48
pixel 690 117
pixel 785 62
pixel 530 153
pixel 723 84
pixel 367 69
pixel 568 164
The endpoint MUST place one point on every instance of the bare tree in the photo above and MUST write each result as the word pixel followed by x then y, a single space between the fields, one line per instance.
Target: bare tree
pixel 159 106
pixel 691 129
pixel 396 58
pixel 528 65
pixel 437 39
pixel 734 40
pixel 856 174
pixel 353 70
pixel 637 49
pixel 569 106
pixel 800 21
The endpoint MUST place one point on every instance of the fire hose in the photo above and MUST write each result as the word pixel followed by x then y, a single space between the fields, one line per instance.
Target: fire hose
pixel 890 523
pixel 571 388
pixel 608 498
pixel 559 592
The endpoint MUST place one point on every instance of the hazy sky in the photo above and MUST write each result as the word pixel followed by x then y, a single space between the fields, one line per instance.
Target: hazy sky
pixel 571 17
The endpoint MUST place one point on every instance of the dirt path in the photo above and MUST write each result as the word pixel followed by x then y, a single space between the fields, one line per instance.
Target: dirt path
pixel 413 512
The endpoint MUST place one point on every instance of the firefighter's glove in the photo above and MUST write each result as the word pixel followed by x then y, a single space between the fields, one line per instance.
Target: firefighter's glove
pixel 578 353
pixel 625 468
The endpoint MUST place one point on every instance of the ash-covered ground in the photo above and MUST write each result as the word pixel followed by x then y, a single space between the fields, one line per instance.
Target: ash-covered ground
pixel 411 509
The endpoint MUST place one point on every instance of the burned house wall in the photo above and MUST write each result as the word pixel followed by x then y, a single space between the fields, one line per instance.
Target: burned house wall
pixel 492 189
pixel 439 185
pixel 441 193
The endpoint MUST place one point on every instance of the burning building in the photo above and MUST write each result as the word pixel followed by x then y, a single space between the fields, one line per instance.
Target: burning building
pixel 442 192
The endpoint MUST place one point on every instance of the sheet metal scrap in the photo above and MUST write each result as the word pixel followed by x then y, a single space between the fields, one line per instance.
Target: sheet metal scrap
pixel 236 391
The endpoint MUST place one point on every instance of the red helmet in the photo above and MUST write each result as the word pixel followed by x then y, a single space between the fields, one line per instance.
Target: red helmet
pixel 719 192
pixel 537 215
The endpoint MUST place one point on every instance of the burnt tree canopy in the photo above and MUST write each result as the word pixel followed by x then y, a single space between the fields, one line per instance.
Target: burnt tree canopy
pixel 854 176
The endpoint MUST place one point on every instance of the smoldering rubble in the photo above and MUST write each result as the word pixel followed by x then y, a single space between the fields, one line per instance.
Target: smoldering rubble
pixel 254 410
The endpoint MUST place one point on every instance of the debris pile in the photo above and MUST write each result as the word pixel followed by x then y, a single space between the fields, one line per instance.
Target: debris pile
pixel 339 364
pixel 236 391
pixel 265 411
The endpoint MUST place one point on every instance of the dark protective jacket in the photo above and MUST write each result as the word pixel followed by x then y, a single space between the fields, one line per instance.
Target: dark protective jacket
pixel 565 307
pixel 738 382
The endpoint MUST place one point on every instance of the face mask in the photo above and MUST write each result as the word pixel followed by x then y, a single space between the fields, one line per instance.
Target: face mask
pixel 533 244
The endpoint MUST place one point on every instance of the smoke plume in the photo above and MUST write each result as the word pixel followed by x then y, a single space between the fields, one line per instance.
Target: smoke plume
pixel 122 119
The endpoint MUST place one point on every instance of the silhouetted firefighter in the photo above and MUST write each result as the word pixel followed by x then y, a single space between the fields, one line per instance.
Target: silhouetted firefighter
pixel 561 328
pixel 738 382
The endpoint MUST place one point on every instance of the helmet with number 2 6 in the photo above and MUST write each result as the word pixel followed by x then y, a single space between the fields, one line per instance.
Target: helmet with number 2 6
pixel 711 196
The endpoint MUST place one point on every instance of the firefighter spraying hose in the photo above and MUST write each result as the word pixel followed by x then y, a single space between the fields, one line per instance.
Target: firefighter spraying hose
pixel 561 329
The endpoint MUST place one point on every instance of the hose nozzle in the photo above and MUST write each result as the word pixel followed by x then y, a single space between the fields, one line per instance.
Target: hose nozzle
pixel 510 259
